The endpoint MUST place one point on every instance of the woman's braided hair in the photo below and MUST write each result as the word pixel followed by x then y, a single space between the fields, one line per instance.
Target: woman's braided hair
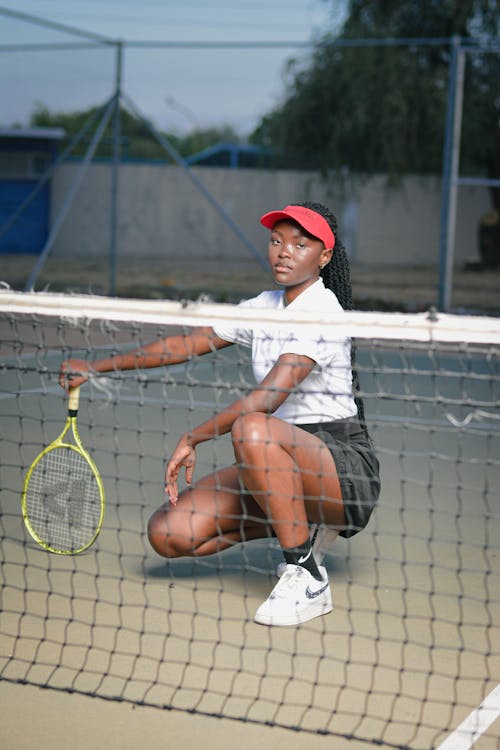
pixel 336 276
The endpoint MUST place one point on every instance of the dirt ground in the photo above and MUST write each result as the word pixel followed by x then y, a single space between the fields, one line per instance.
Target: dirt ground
pixel 377 288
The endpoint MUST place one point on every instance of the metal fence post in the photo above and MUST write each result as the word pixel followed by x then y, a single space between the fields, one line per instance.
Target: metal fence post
pixel 113 229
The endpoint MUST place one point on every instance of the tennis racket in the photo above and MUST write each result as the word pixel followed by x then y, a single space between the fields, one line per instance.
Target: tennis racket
pixel 63 494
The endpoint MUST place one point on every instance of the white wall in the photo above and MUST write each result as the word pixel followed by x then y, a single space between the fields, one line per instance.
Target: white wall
pixel 161 213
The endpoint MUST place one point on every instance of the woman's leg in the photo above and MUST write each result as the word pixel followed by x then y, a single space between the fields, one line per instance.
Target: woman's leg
pixel 289 478
pixel 291 475
pixel 210 516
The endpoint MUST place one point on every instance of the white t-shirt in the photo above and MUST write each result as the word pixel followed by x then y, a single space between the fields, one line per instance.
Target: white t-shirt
pixel 325 394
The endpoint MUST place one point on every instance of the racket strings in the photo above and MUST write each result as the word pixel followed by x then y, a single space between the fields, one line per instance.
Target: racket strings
pixel 63 500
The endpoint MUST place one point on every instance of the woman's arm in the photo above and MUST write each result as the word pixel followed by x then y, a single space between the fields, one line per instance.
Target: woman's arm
pixel 288 372
pixel 281 380
pixel 171 350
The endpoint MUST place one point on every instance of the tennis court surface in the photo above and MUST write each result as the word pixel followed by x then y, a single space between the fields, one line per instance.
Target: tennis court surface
pixel 162 651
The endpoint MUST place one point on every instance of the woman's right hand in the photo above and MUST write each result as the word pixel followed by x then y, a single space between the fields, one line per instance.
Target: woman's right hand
pixel 74 372
pixel 183 455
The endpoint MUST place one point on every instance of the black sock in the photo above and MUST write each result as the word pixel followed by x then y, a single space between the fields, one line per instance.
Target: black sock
pixel 303 556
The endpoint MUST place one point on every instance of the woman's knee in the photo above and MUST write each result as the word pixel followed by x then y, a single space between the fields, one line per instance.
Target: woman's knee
pixel 164 540
pixel 250 430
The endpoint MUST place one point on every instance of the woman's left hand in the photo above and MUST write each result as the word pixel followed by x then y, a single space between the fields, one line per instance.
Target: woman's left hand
pixel 183 455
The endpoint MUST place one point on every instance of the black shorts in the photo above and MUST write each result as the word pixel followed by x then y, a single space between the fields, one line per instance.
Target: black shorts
pixel 357 467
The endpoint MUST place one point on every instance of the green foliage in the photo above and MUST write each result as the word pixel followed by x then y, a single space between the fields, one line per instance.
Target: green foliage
pixel 137 141
pixel 382 108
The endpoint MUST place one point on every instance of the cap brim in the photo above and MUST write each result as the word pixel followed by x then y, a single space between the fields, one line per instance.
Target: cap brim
pixel 272 218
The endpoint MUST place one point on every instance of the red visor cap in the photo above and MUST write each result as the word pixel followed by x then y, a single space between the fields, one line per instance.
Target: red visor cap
pixel 309 220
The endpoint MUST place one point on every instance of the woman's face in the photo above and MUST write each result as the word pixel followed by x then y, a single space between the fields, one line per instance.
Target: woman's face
pixel 295 257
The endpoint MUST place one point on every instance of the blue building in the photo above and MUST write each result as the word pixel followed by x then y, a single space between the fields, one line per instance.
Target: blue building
pixel 25 155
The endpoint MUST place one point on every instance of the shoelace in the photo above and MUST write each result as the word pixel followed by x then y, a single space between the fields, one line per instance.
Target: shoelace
pixel 289 580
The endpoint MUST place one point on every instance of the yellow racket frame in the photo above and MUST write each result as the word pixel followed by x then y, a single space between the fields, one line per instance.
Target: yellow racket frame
pixel 73 402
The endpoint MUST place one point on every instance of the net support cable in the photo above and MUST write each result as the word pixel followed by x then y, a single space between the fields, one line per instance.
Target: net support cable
pixel 52 169
pixel 70 196
pixel 199 184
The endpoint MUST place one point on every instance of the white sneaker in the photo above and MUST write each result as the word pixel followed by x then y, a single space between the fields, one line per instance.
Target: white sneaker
pixel 296 598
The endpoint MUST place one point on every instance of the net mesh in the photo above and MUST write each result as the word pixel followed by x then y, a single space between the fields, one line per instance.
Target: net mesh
pixel 411 647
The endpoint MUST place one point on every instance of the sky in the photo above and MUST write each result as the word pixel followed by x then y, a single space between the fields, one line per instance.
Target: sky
pixel 177 89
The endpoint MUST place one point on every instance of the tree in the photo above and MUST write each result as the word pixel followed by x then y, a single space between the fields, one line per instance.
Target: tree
pixel 137 141
pixel 382 108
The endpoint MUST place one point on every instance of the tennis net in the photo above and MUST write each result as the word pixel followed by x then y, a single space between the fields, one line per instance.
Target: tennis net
pixel 412 646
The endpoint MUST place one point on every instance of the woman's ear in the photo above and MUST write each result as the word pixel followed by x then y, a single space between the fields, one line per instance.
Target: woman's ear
pixel 326 256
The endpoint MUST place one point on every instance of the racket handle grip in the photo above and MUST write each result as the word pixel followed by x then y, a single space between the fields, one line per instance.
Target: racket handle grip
pixel 74 400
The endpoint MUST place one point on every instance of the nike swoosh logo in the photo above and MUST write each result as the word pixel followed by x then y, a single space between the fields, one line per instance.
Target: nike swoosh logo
pixel 313 594
pixel 303 559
